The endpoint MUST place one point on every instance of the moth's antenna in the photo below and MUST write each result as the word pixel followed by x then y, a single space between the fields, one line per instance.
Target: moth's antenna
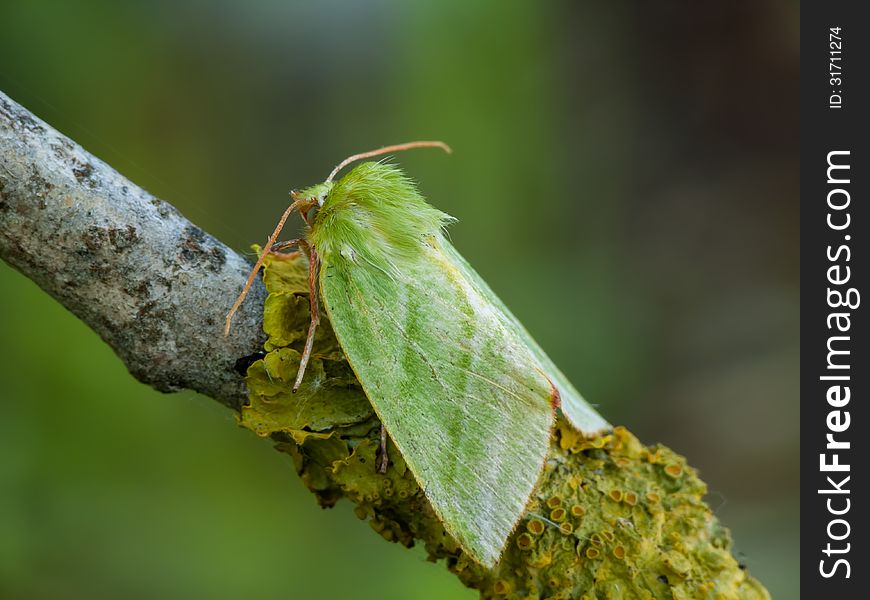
pixel 259 263
pixel 386 150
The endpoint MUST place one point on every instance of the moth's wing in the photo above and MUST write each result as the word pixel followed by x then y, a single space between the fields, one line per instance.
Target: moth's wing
pixel 457 386
pixel 574 406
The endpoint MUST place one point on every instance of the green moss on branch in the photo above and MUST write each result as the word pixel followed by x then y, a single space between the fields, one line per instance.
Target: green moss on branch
pixel 611 518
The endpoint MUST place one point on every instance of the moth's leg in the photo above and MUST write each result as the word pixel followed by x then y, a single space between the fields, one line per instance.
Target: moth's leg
pixel 256 268
pixel 286 255
pixel 314 309
pixel 277 249
pixel 384 461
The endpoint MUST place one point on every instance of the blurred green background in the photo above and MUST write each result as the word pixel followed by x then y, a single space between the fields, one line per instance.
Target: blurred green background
pixel 625 177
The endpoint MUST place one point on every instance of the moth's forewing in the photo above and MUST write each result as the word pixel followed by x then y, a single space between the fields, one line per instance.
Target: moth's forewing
pixel 465 393
pixel 456 384
pixel 575 408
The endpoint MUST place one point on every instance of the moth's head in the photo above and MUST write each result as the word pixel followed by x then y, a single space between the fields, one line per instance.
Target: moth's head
pixel 316 193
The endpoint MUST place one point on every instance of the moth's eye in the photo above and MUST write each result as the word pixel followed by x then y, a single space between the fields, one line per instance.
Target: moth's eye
pixel 313 210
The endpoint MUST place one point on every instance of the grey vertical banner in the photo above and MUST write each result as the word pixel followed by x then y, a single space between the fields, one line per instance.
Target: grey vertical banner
pixel 834 335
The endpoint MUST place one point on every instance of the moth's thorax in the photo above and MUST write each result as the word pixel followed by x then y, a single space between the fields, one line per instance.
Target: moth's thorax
pixel 374 216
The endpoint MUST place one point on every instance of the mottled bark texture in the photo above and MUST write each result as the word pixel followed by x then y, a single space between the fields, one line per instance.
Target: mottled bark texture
pixel 152 284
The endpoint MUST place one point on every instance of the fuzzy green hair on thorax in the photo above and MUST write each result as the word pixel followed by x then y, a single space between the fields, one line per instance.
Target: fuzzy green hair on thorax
pixel 375 214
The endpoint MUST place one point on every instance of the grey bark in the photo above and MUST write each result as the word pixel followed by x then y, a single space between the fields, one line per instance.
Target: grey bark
pixel 152 284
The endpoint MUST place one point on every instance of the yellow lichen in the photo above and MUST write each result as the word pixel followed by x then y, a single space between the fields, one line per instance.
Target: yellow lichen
pixel 674 470
pixel 535 526
pixel 525 541
pixel 501 588
pixel 557 515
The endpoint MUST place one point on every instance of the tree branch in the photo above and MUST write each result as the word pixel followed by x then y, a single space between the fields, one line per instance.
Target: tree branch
pixel 152 284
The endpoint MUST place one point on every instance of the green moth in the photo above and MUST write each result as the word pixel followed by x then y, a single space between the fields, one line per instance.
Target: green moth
pixel 463 390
